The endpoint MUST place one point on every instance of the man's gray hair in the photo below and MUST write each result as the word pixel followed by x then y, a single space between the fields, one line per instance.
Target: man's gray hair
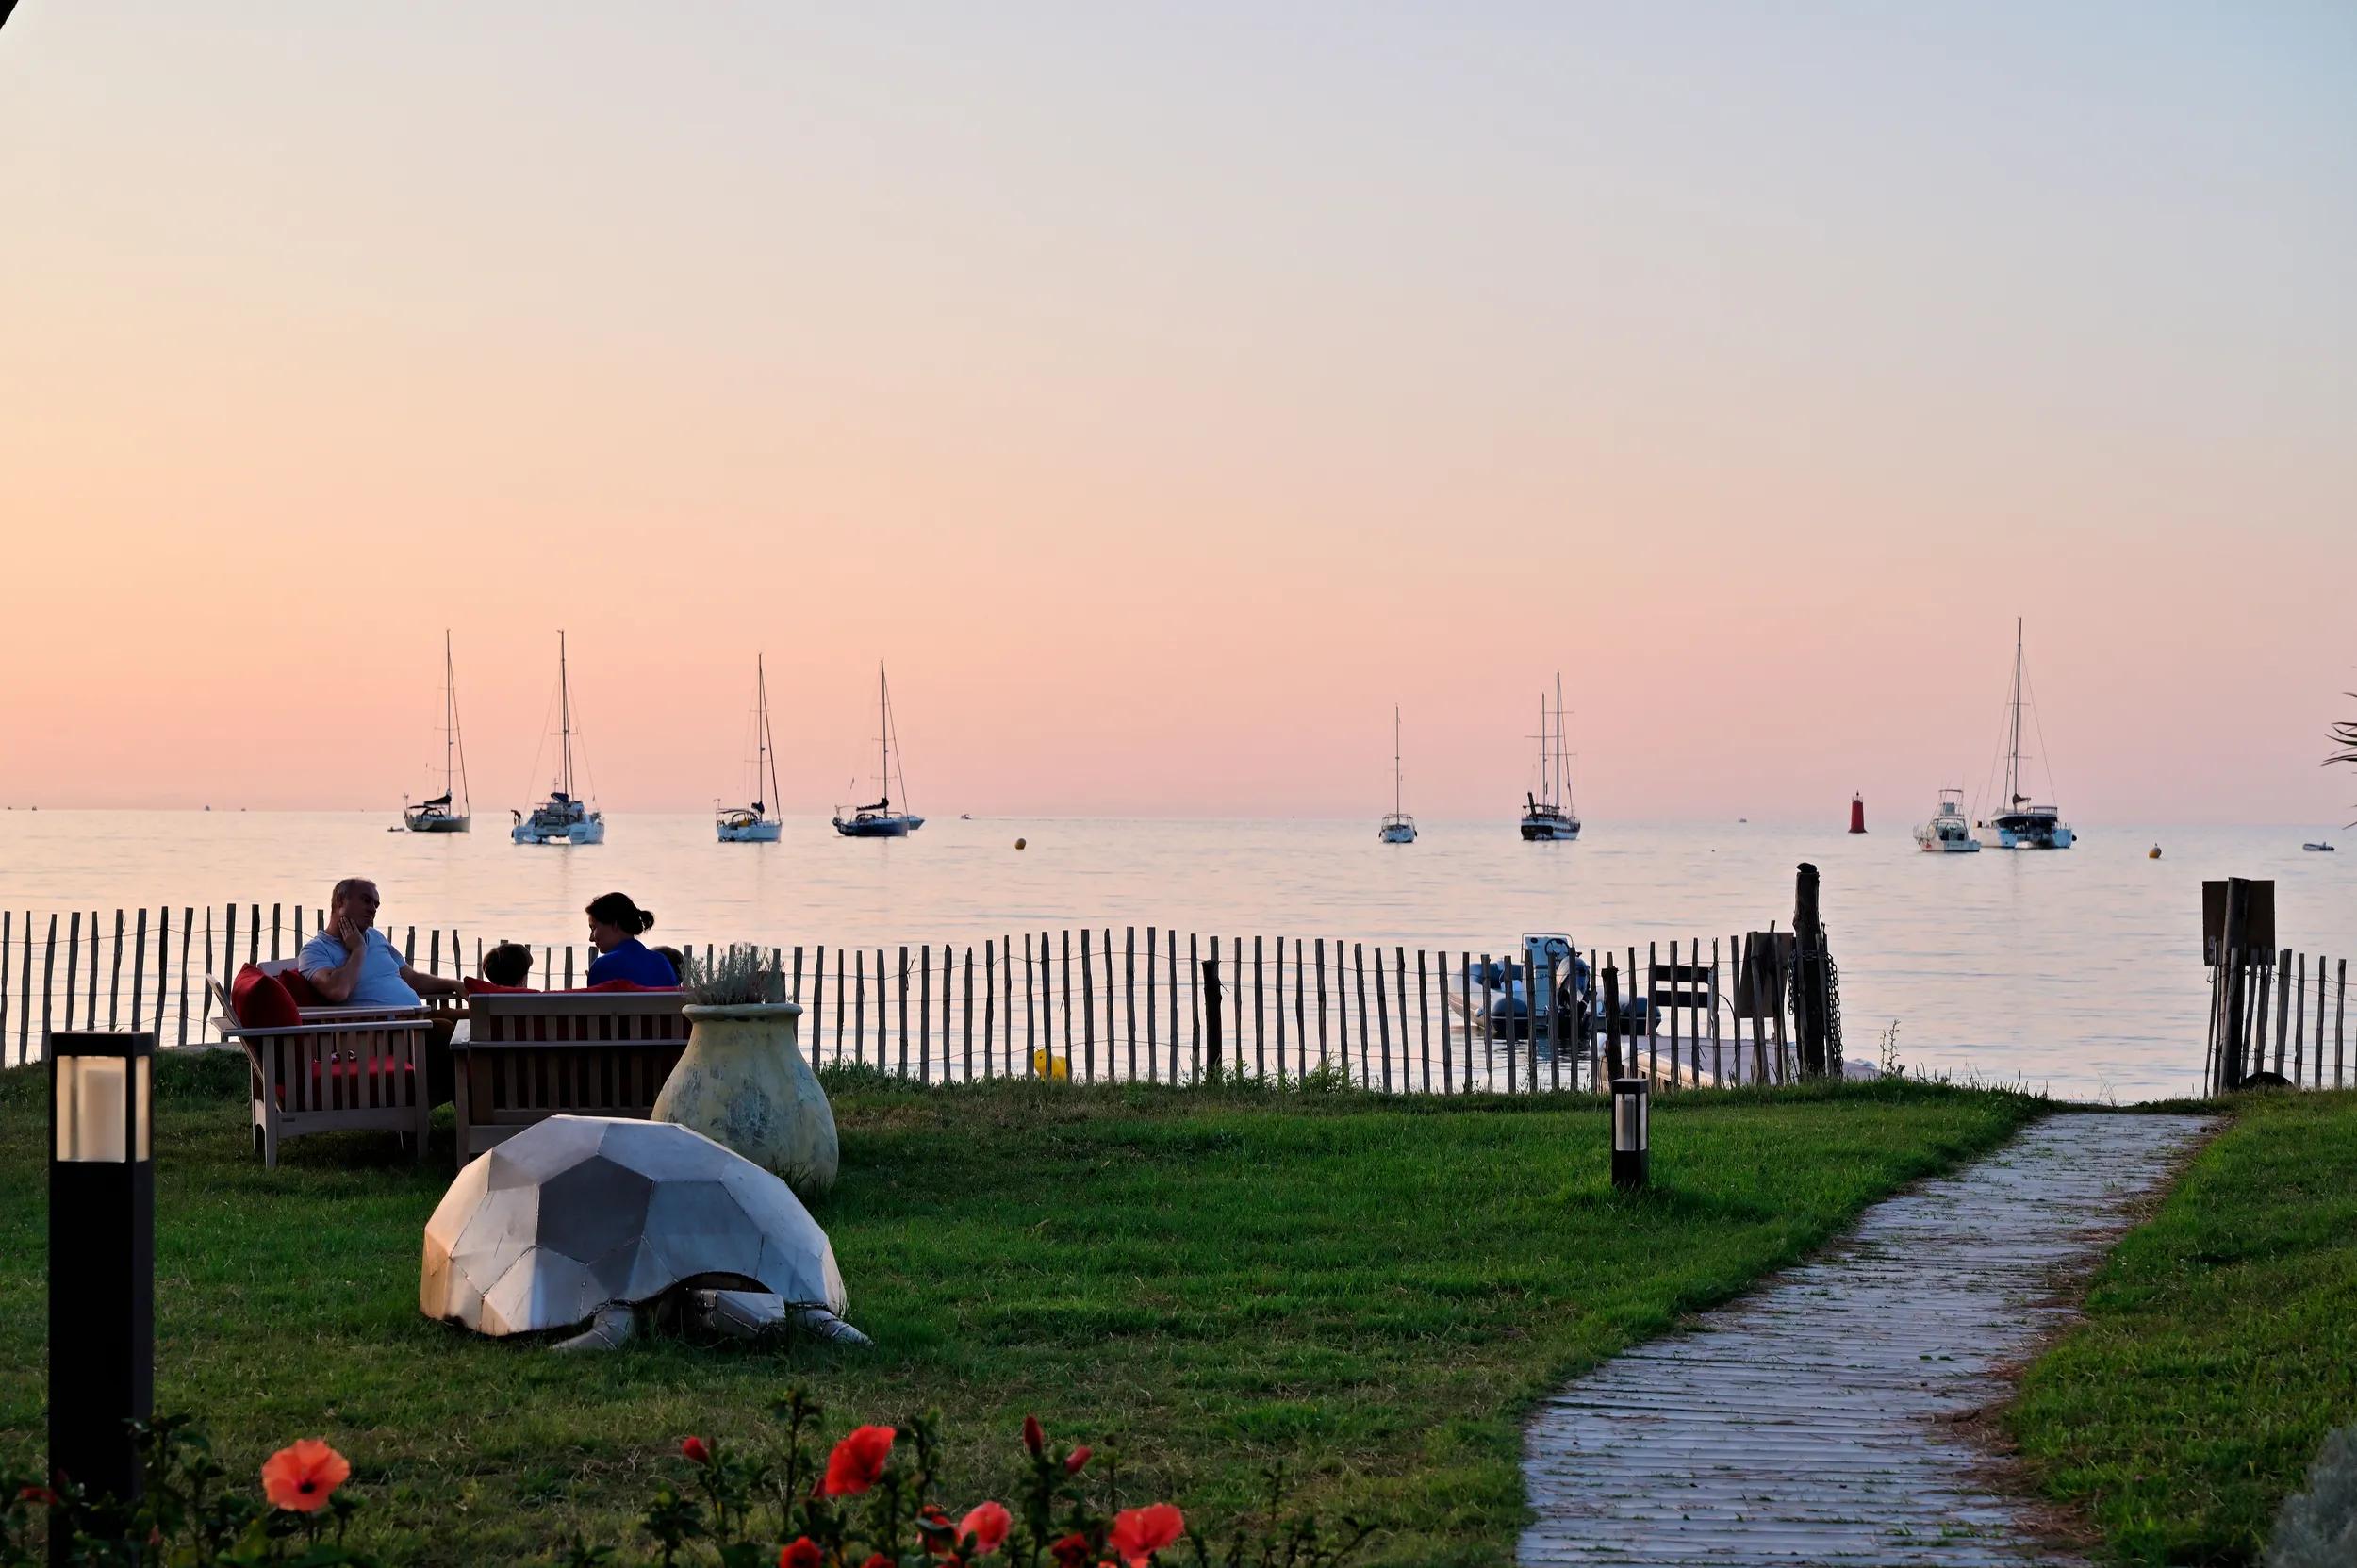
pixel 344 889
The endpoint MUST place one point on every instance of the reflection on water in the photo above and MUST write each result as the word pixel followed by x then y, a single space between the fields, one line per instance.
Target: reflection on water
pixel 2079 970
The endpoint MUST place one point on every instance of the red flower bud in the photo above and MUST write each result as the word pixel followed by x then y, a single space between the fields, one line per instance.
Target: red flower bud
pixel 40 1495
pixel 1072 1551
pixel 1033 1438
pixel 803 1553
pixel 695 1450
pixel 877 1559
pixel 1075 1460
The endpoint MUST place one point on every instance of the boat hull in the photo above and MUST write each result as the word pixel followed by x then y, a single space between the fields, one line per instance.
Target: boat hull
pixel 1397 834
pixel 1997 835
pixel 1544 831
pixel 895 826
pixel 747 833
pixel 591 829
pixel 436 824
pixel 1931 844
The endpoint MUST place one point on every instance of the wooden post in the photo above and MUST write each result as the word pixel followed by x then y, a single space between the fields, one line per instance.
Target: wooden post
pixel 1342 1006
pixel 1322 1001
pixel 1611 1019
pixel 1153 1070
pixel 2282 1004
pixel 1172 958
pixel 1210 1007
pixel 1030 991
pixel 7 955
pixel 1088 1009
pixel 277 915
pixel 969 1018
pixel 990 1002
pixel 73 973
pixel 1301 1010
pixel 25 995
pixel 1260 1019
pixel 1195 1014
pixel 1070 1064
pixel 1424 1022
pixel 1129 998
pixel 48 976
pixel 1358 976
pixel 901 990
pixel 1046 1008
pixel 1110 1033
pixel 1718 1067
pixel 2299 1019
pixel 1808 973
pixel 1277 991
pixel 2340 997
pixel 1488 1058
pixel 924 1011
pixel 859 1009
pixel 1676 1033
pixel 139 968
pixel 1383 1018
pixel 818 1006
pixel 2319 1070
pixel 2234 944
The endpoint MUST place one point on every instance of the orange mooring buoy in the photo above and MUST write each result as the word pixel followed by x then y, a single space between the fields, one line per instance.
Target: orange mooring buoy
pixel 1857 814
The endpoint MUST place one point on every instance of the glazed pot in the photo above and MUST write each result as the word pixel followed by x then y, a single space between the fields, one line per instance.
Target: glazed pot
pixel 743 1084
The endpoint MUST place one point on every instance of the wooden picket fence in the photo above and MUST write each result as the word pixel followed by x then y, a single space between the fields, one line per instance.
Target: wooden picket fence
pixel 1066 1003
pixel 2251 990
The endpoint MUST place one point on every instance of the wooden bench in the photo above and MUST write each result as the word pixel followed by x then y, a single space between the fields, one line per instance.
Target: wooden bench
pixel 340 1069
pixel 526 1056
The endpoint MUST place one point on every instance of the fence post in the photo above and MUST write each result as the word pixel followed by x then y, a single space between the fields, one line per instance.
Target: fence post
pixel 1611 1019
pixel 1209 1009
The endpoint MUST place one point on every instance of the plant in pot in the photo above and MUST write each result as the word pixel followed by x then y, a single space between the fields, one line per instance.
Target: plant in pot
pixel 742 1081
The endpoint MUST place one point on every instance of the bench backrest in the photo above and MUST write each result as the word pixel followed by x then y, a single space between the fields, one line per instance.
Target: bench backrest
pixel 547 1018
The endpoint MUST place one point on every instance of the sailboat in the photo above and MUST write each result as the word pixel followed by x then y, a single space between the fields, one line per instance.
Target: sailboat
pixel 753 824
pixel 435 816
pixel 561 818
pixel 2020 824
pixel 1550 815
pixel 1398 828
pixel 880 821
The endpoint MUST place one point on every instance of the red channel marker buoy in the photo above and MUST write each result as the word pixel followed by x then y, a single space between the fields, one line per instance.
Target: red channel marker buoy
pixel 1857 814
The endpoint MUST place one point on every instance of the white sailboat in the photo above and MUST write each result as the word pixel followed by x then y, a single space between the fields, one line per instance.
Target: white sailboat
pixel 880 821
pixel 1398 828
pixel 755 823
pixel 562 819
pixel 1549 815
pixel 1949 832
pixel 2020 824
pixel 438 814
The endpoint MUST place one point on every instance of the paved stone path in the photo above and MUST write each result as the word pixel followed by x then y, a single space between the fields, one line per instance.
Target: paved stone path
pixel 1812 1421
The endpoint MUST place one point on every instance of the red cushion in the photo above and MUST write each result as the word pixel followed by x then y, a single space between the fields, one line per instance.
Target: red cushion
pixel 262 1001
pixel 349 1071
pixel 299 986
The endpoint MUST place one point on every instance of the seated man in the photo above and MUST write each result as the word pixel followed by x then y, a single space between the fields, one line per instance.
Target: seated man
pixel 350 963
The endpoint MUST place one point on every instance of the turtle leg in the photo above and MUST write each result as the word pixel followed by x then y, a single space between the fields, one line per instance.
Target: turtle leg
pixel 820 1321
pixel 611 1327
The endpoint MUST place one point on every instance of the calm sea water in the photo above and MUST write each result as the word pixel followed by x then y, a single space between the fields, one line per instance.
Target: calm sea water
pixel 2077 971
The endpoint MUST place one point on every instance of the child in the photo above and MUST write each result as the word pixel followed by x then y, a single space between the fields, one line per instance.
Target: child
pixel 509 963
pixel 678 961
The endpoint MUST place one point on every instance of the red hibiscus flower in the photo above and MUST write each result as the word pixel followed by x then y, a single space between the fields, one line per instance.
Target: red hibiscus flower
pixel 877 1559
pixel 804 1553
pixel 1075 1460
pixel 40 1495
pixel 695 1450
pixel 301 1477
pixel 1072 1551
pixel 1140 1533
pixel 1033 1438
pixel 986 1526
pixel 858 1460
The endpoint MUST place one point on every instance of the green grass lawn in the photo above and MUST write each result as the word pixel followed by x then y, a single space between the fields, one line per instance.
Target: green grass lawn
pixel 2220 1346
pixel 1368 1294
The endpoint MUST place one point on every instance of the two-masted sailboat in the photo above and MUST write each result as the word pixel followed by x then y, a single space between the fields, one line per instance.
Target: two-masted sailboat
pixel 880 821
pixel 1398 828
pixel 1549 814
pixel 438 814
pixel 2018 824
pixel 756 823
pixel 562 819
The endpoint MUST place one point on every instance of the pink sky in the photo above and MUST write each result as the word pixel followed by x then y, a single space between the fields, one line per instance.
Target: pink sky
pixel 1165 395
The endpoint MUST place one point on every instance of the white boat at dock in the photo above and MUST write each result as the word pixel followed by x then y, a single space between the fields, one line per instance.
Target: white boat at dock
pixel 438 814
pixel 1949 832
pixel 562 819
pixel 754 823
pixel 2018 824
pixel 880 821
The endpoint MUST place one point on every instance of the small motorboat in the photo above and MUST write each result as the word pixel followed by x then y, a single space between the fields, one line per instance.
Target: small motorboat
pixel 1948 832
pixel 2320 847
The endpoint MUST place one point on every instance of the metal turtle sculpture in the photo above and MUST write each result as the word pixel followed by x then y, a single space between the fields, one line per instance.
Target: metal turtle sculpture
pixel 604 1221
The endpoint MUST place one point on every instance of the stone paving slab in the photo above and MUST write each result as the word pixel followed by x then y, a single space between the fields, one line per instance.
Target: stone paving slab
pixel 1815 1420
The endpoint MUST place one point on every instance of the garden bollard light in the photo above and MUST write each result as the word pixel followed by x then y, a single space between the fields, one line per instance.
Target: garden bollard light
pixel 1630 1132
pixel 102 1259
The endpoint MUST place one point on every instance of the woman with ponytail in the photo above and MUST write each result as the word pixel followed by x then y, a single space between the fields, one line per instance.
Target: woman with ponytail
pixel 614 926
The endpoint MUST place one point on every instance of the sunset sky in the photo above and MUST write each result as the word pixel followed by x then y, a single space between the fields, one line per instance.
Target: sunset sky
pixel 1165 392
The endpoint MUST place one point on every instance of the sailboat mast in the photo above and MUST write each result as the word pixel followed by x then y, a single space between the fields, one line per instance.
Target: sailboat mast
pixel 768 746
pixel 450 743
pixel 1562 746
pixel 1546 789
pixel 564 718
pixel 2013 760
pixel 883 729
pixel 1395 811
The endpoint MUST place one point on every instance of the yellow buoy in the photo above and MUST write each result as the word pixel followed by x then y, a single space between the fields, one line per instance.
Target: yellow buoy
pixel 2154 853
pixel 1018 843
pixel 1048 1065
